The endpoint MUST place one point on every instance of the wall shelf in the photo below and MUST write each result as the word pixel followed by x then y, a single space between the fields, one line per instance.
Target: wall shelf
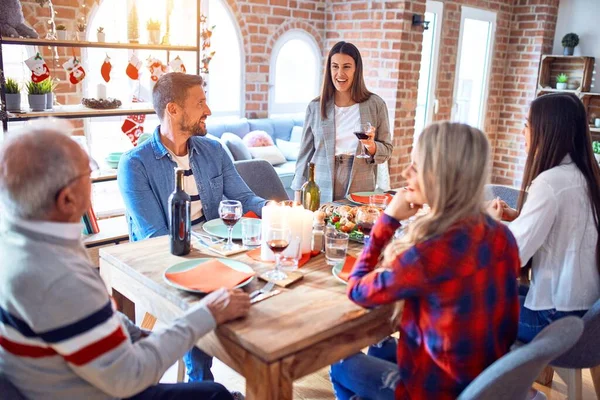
pixel 77 43
pixel 104 175
pixel 112 230
pixel 80 111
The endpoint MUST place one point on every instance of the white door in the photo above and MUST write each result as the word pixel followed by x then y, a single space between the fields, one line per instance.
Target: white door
pixel 471 86
pixel 427 104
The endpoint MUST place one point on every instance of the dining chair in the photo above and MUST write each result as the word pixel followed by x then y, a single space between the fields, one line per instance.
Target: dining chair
pixel 261 178
pixel 584 354
pixel 511 376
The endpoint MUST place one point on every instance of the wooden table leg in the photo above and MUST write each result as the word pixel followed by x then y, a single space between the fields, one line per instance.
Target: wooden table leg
pixel 268 382
pixel 124 305
pixel 595 372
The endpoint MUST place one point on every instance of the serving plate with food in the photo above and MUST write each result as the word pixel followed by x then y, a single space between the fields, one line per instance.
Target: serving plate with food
pixel 356 221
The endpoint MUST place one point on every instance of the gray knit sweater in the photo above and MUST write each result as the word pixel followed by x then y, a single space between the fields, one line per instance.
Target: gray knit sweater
pixel 60 337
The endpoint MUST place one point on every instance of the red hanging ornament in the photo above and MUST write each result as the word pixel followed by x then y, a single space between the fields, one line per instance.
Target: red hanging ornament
pixel 133 126
pixel 105 69
pixel 75 70
pixel 133 67
pixel 156 68
pixel 177 65
pixel 38 67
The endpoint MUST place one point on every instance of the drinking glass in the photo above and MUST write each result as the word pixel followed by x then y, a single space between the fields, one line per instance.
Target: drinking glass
pixel 336 245
pixel 230 212
pixel 378 200
pixel 361 130
pixel 251 232
pixel 292 255
pixel 365 219
pixel 278 239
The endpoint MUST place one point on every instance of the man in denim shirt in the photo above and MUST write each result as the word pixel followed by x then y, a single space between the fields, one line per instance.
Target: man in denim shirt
pixel 146 174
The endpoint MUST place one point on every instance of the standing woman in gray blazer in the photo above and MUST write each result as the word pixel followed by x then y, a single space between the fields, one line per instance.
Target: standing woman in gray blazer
pixel 328 139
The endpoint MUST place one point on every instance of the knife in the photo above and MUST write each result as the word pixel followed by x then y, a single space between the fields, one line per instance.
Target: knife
pixel 265 296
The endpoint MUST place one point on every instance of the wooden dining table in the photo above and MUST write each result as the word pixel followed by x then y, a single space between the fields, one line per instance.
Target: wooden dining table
pixel 310 325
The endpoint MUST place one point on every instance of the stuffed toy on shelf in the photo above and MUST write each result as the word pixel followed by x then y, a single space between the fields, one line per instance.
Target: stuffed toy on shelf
pixel 12 22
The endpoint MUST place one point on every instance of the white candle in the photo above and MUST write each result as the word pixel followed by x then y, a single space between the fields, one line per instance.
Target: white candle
pixel 307 224
pixel 293 217
pixel 101 91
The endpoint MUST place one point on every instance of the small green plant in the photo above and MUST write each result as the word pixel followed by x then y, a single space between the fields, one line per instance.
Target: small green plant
pixel 100 29
pixel 61 27
pixel 153 24
pixel 12 86
pixel 48 85
pixel 596 147
pixel 562 78
pixel 35 88
pixel 570 40
pixel 81 27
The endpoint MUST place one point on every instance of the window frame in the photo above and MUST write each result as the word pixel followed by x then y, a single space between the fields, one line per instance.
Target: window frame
pixel 293 108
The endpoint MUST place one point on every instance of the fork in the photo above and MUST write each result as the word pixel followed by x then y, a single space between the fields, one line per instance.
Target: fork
pixel 211 239
pixel 265 289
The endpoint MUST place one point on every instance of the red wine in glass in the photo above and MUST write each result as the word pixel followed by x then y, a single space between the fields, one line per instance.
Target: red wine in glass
pixel 230 219
pixel 365 228
pixel 277 246
pixel 361 135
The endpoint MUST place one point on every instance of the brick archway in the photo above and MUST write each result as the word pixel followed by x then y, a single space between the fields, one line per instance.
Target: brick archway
pixel 293 24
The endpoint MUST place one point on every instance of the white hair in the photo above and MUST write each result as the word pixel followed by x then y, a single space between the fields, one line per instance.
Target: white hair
pixel 35 164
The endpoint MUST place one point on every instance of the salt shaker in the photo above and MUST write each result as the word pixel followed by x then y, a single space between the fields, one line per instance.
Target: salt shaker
pixel 318 237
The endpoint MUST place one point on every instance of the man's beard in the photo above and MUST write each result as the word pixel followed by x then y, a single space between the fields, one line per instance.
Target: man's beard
pixel 193 128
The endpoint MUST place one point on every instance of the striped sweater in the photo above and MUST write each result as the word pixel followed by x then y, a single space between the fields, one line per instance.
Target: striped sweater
pixel 59 334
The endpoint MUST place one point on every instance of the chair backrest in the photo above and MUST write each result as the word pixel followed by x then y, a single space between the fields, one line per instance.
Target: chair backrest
pixel 261 178
pixel 511 376
pixel 509 194
pixel 8 390
pixel 585 353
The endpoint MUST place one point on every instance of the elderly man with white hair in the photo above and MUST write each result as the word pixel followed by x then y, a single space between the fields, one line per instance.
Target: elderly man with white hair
pixel 60 337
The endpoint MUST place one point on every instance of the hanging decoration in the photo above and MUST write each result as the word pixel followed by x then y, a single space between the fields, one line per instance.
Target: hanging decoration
pixel 176 65
pixel 133 126
pixel 205 54
pixel 156 68
pixel 133 67
pixel 39 68
pixel 105 69
pixel 75 70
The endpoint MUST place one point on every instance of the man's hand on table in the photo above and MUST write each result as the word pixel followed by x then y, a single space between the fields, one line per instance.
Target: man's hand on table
pixel 226 305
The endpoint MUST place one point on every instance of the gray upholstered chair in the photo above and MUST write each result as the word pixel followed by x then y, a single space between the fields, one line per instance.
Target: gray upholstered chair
pixel 511 376
pixel 509 194
pixel 7 389
pixel 262 179
pixel 584 354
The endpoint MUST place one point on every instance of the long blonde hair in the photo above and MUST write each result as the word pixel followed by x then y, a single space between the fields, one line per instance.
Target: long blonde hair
pixel 453 168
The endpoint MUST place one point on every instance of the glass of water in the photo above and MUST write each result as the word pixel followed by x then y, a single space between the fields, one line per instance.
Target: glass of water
pixel 251 232
pixel 336 245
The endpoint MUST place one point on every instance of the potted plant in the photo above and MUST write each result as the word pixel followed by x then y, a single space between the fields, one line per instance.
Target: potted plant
pixel 561 81
pixel 596 149
pixel 36 96
pixel 13 95
pixel 61 32
pixel 153 27
pixel 101 35
pixel 569 42
pixel 80 34
pixel 48 87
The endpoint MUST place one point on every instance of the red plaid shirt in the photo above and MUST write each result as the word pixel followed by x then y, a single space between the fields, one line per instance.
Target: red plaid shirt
pixel 461 302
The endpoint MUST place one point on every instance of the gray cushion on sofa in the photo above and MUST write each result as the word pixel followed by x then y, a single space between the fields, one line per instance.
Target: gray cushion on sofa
pixel 236 146
pixel 223 145
pixel 278 128
pixel 239 127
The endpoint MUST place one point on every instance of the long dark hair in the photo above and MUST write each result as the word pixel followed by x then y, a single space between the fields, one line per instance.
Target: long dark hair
pixel 559 126
pixel 358 91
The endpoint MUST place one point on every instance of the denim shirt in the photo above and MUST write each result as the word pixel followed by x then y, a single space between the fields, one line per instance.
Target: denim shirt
pixel 146 179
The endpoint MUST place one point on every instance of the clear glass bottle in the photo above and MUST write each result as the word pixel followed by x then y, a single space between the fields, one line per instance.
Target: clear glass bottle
pixel 311 194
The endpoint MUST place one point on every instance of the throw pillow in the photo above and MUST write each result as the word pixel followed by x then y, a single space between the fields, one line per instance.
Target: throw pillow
pixel 236 146
pixel 296 134
pixel 290 150
pixel 258 139
pixel 223 145
pixel 269 153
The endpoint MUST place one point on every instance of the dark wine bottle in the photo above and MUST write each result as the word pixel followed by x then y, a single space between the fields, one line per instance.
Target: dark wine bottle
pixel 180 228
pixel 311 194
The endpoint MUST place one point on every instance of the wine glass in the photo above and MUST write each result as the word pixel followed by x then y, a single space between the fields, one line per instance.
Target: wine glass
pixel 230 212
pixel 278 239
pixel 365 219
pixel 361 130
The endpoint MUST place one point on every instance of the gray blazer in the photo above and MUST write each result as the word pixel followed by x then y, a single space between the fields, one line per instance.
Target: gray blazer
pixel 318 146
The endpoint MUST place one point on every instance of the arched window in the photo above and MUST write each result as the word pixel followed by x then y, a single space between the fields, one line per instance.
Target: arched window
pixel 295 73
pixel 224 81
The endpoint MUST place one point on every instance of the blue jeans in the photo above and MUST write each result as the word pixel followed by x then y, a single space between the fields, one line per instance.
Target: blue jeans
pixel 185 391
pixel 532 322
pixel 197 364
pixel 372 376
